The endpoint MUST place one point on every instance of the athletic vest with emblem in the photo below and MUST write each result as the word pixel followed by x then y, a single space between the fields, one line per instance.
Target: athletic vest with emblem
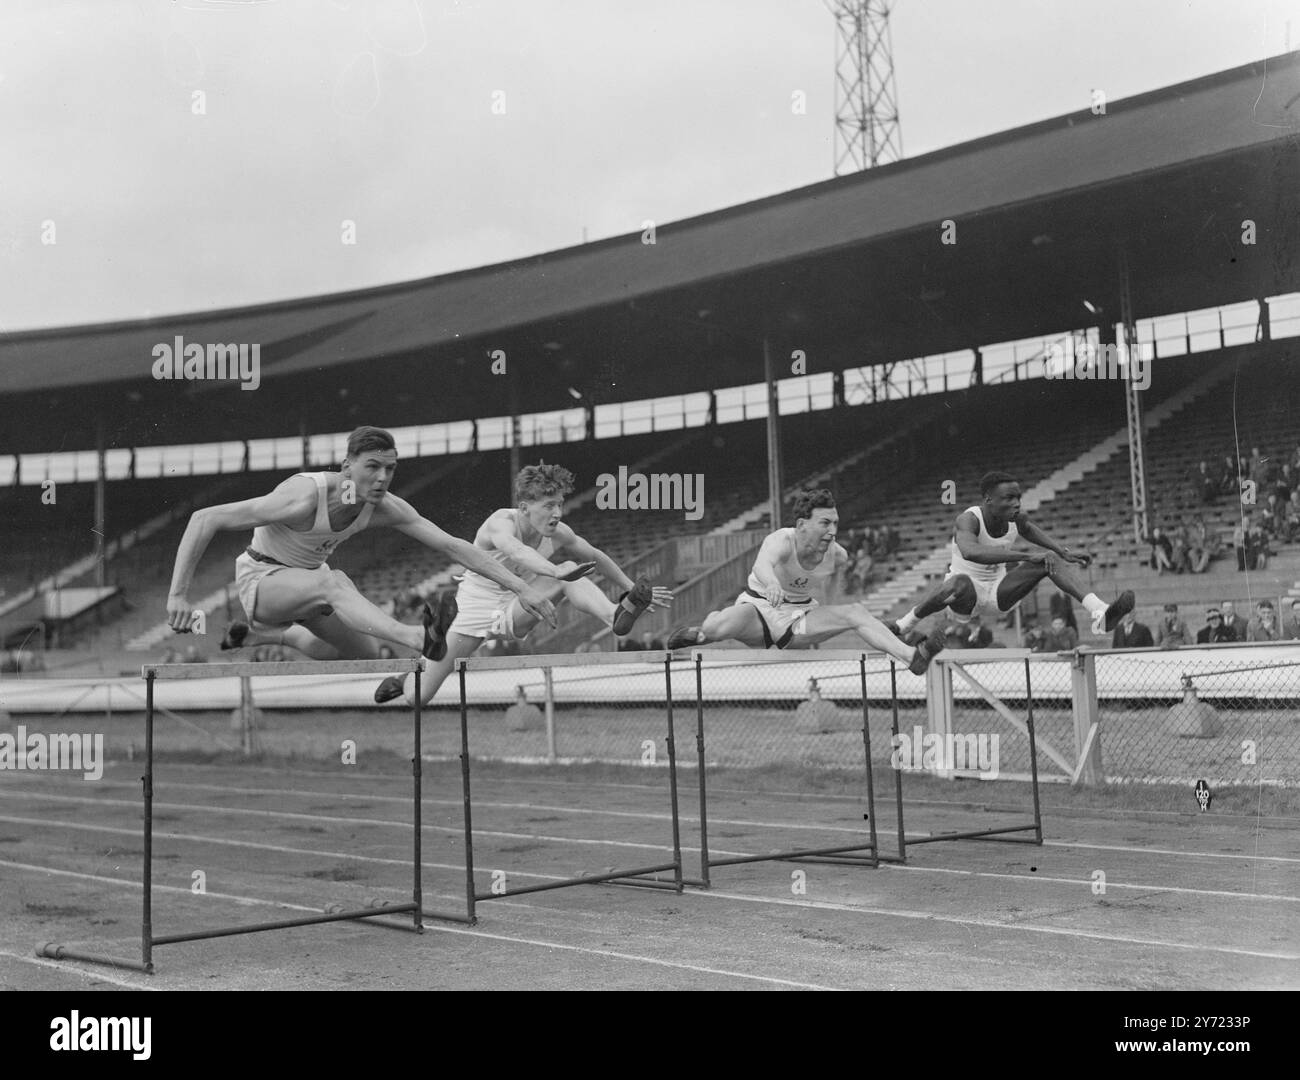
pixel 796 582
pixel 308 550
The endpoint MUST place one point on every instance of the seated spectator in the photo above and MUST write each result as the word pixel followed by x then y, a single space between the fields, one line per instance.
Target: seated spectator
pixel 1263 627
pixel 1162 550
pixel 1206 484
pixel 1228 484
pixel 1257 548
pixel 1233 621
pixel 1261 471
pixel 1199 552
pixel 973 635
pixel 1171 631
pixel 1032 636
pixel 1284 483
pixel 1060 605
pixel 1131 634
pixel 1214 631
pixel 1271 518
pixel 1291 517
pixel 1178 559
pixel 1291 623
pixel 627 644
pixel 1061 638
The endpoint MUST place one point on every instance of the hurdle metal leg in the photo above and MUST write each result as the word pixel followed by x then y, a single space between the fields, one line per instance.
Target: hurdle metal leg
pixel 999 835
pixel 637 877
pixel 841 854
pixel 333 912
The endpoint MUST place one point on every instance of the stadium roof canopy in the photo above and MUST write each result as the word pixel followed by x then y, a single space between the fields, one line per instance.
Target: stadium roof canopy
pixel 852 271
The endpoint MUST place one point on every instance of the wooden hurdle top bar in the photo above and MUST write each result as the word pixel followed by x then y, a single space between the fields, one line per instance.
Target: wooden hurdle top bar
pixel 282 667
pixel 658 656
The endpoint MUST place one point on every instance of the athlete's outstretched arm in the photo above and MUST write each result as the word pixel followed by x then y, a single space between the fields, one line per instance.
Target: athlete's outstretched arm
pixel 291 499
pixel 504 538
pixel 1035 535
pixel 966 535
pixel 402 516
pixel 584 551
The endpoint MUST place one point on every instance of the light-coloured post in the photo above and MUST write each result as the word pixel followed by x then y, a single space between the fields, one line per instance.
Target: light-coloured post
pixel 548 676
pixel 1087 715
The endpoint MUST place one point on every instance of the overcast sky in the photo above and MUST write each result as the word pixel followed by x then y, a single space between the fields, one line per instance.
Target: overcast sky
pixel 194 154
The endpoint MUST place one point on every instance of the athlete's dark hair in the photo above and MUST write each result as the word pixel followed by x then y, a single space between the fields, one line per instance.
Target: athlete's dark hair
pixel 542 481
pixel 811 499
pixel 991 480
pixel 365 439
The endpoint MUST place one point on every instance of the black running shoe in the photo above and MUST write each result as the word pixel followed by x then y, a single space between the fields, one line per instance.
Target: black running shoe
pixel 683 637
pixel 436 627
pixel 392 687
pixel 926 651
pixel 234 637
pixel 630 606
pixel 1122 606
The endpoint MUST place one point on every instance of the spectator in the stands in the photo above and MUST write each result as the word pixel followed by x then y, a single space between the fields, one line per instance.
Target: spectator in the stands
pixel 1131 634
pixel 1214 632
pixel 1162 550
pixel 1179 557
pixel 1264 627
pixel 1228 480
pixel 1171 631
pixel 627 644
pixel 1284 483
pixel 1032 636
pixel 169 656
pixel 1206 483
pixel 193 656
pixel 1257 546
pixel 650 643
pixel 1291 517
pixel 1261 472
pixel 1060 605
pixel 1199 551
pixel 1233 620
pixel 971 635
pixel 1291 621
pixel 1061 638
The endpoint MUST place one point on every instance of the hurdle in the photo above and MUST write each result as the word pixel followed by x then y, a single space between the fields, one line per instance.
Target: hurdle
pixel 940 687
pixel 333 913
pixel 865 852
pixel 635 877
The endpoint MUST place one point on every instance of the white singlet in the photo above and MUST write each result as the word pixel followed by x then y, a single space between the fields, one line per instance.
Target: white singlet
pixel 795 581
pixel 482 606
pixel 987 572
pixel 308 550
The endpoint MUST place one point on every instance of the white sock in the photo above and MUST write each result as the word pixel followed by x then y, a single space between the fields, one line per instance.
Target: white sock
pixel 1094 603
pixel 908 621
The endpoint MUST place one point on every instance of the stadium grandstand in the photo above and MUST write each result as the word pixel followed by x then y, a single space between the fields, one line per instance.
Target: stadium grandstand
pixel 897 364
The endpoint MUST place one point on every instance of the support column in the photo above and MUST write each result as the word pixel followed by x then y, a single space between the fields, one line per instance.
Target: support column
pixel 1133 407
pixel 99 500
pixel 516 456
pixel 773 438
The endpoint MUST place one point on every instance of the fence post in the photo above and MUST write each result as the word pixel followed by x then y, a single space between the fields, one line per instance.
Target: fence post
pixel 548 675
pixel 1087 715
pixel 939 704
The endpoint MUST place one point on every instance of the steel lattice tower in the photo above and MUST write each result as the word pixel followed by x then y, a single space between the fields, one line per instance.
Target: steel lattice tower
pixel 867 132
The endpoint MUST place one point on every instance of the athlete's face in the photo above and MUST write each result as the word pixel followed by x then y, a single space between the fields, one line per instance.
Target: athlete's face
pixel 819 530
pixel 1004 501
pixel 372 473
pixel 544 515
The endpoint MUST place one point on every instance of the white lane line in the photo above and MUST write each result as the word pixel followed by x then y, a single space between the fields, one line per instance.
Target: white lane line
pixel 66 966
pixel 649 816
pixel 384 822
pixel 486 867
pixel 994 925
pixel 607 954
pixel 1088 882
